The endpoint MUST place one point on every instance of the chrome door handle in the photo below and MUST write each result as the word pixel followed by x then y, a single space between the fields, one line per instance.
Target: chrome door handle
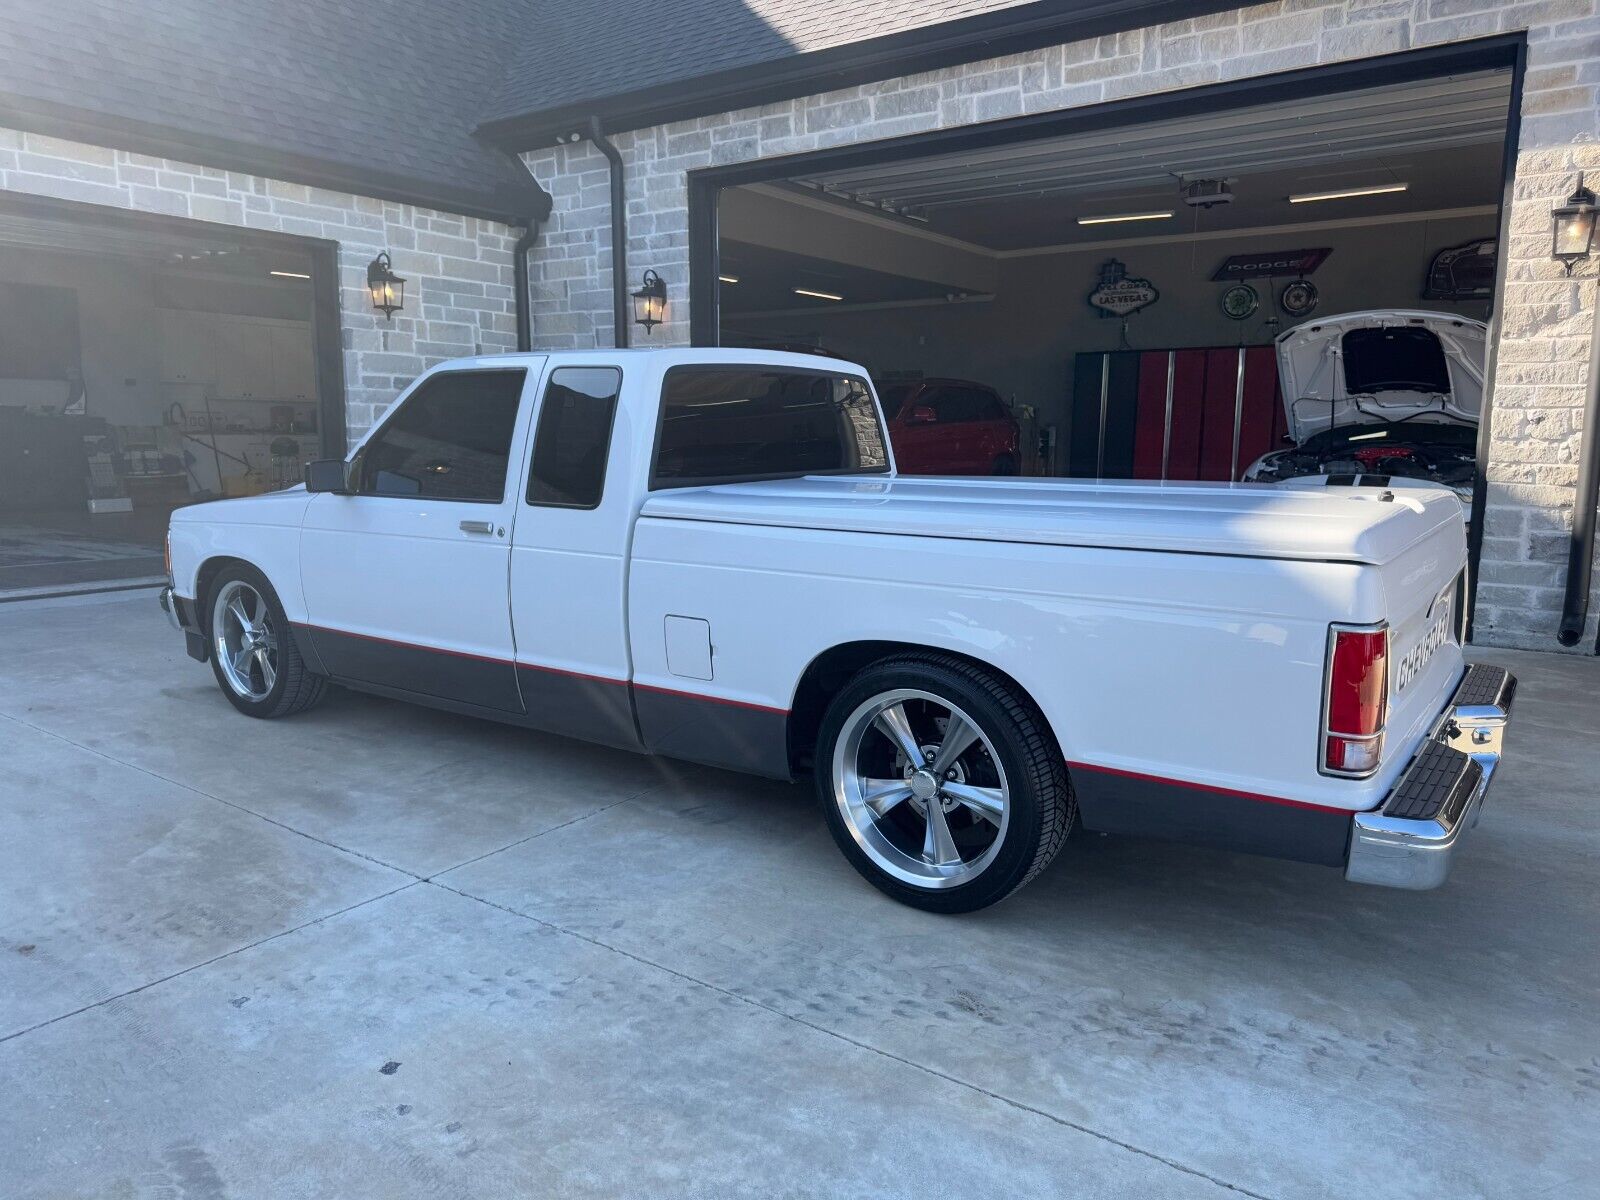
pixel 477 527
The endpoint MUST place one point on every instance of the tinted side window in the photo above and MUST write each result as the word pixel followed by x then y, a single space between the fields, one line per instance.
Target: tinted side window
pixel 989 405
pixel 720 423
pixel 961 403
pixel 573 440
pixel 450 440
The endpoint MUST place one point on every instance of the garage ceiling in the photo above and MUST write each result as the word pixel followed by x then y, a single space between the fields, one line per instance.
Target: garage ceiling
pixel 176 250
pixel 1442 136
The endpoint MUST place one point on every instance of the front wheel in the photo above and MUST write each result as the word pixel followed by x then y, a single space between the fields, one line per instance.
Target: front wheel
pixel 941 783
pixel 253 652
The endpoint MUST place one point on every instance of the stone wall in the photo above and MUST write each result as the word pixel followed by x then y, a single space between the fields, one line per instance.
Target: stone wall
pixel 1545 319
pixel 458 270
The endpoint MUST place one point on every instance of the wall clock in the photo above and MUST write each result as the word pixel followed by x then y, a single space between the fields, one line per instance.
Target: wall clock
pixel 1298 298
pixel 1240 301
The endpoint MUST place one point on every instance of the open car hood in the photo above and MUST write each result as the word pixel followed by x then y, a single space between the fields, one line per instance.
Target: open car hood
pixel 1318 364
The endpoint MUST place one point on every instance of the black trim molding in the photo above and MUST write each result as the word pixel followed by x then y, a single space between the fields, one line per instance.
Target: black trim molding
pixel 1113 802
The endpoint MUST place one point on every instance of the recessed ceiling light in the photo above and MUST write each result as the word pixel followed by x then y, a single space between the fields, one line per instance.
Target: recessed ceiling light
pixel 1112 218
pixel 1379 189
pixel 727 278
pixel 289 274
pixel 816 295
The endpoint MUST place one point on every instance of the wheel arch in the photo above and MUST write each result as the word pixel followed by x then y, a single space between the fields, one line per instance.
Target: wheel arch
pixel 827 673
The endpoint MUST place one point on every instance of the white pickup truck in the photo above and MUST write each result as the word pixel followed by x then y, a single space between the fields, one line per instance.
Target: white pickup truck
pixel 708 554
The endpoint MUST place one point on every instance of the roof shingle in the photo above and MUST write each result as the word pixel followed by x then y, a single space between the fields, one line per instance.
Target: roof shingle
pixel 388 90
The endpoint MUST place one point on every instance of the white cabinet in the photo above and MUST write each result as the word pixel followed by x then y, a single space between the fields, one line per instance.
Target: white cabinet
pixel 239 358
pixel 294 365
pixel 188 347
pixel 244 359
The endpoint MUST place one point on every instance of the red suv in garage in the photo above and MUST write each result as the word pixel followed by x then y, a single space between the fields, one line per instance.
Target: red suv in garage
pixel 951 427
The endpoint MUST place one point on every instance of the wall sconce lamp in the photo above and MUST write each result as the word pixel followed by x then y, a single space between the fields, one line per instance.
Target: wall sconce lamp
pixel 388 289
pixel 650 302
pixel 1573 227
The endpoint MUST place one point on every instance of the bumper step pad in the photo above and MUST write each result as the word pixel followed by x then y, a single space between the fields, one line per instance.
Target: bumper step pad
pixel 1438 784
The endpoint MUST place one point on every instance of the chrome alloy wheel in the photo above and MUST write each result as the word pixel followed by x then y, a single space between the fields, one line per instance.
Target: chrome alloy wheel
pixel 244 641
pixel 920 788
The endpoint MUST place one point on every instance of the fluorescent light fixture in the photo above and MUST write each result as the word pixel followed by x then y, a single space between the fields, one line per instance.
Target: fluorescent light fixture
pixel 816 295
pixel 727 279
pixel 1378 189
pixel 1367 437
pixel 1113 218
pixel 289 274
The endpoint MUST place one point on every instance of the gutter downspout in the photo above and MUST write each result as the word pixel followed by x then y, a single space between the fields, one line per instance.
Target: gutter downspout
pixel 519 266
pixel 1580 554
pixel 530 226
pixel 619 235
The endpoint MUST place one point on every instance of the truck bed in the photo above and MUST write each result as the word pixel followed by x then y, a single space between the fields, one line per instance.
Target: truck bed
pixel 1237 520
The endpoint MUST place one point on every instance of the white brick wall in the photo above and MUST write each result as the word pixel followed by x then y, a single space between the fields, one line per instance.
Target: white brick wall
pixel 458 270
pixel 1546 320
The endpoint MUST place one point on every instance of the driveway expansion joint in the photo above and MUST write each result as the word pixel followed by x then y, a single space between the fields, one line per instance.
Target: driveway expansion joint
pixel 955 1080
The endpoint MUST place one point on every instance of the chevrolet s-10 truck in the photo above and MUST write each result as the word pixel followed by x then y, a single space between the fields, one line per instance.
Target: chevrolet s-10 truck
pixel 708 554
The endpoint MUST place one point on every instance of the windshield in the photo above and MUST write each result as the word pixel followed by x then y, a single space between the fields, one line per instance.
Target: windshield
pixel 1394 359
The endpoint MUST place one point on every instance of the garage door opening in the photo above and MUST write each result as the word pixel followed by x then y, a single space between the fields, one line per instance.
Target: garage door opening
pixel 1294 288
pixel 145 366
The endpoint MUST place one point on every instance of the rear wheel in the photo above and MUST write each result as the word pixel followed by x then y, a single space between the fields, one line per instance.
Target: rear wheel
pixel 941 783
pixel 253 653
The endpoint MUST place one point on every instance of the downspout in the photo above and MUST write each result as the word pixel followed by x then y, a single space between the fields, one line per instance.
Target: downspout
pixel 531 225
pixel 619 235
pixel 519 266
pixel 1580 553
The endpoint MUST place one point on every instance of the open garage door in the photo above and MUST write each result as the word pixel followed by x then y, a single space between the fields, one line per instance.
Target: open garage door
pixel 148 363
pixel 1125 300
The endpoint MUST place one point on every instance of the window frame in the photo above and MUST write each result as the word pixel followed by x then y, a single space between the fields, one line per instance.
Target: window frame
pixel 357 459
pixel 611 429
pixel 656 484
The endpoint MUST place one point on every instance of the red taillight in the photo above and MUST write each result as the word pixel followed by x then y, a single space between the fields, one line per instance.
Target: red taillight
pixel 1357 700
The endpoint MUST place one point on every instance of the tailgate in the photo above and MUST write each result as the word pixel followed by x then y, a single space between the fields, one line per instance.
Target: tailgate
pixel 1425 595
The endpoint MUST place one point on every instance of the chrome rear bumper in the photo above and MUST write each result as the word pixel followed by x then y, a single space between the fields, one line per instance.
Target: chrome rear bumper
pixel 1409 840
pixel 169 607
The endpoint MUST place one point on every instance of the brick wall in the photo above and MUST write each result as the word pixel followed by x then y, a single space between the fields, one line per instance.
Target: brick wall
pixel 458 270
pixel 1546 319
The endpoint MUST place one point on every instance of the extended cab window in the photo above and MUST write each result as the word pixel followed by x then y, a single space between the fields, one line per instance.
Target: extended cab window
pixel 722 423
pixel 574 437
pixel 450 440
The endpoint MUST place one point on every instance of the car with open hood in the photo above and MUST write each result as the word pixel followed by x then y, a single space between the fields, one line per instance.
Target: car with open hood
pixel 1389 397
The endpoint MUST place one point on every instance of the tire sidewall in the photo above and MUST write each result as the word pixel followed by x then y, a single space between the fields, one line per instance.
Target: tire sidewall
pixel 1015 856
pixel 268 705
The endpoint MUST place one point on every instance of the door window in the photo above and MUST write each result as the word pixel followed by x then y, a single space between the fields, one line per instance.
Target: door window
pixel 449 440
pixel 573 441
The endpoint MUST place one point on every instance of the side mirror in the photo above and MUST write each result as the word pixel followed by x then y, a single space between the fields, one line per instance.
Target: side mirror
pixel 327 475
pixel 922 414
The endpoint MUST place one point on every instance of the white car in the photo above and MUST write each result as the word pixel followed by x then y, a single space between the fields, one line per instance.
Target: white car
pixel 708 554
pixel 1386 398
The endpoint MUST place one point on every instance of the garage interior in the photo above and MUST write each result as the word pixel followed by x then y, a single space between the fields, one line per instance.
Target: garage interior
pixel 976 266
pixel 142 368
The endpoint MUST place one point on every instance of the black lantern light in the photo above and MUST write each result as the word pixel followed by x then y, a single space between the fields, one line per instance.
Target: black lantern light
pixel 650 302
pixel 388 289
pixel 1573 227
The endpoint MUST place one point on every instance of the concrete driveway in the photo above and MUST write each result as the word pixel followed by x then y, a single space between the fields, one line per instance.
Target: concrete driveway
pixel 377 951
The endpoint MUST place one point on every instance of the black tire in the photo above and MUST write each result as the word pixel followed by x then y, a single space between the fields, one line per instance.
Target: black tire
pixel 295 687
pixel 1041 803
pixel 1005 465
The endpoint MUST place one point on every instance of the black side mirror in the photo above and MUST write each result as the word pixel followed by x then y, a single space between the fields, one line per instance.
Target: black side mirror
pixel 327 475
